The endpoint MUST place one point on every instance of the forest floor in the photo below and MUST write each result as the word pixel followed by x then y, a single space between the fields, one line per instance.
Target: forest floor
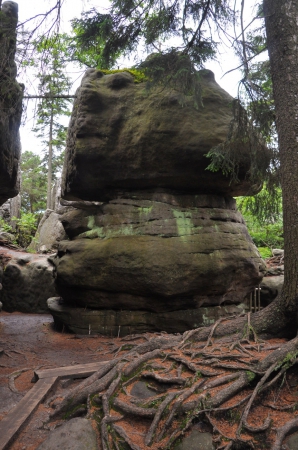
pixel 29 342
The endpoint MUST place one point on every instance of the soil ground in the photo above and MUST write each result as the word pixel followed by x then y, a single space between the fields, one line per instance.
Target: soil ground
pixel 29 342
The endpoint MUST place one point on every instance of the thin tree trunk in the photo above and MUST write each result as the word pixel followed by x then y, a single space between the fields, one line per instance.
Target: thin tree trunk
pixel 281 18
pixel 50 176
pixel 31 203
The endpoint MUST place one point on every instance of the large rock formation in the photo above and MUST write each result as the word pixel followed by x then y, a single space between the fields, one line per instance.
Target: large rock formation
pixel 167 248
pixel 10 104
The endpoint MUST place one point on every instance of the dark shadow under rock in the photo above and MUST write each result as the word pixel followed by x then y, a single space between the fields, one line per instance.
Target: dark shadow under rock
pixel 121 323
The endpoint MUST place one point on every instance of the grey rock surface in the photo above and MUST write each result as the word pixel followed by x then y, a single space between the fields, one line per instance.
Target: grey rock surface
pixel 76 434
pixel 9 399
pixel 278 252
pixel 196 440
pixel 7 237
pixel 11 208
pixel 158 244
pixel 292 442
pixel 270 288
pixel 141 390
pixel 27 281
pixel 49 233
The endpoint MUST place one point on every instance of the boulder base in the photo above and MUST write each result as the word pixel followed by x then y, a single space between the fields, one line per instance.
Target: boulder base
pixel 120 323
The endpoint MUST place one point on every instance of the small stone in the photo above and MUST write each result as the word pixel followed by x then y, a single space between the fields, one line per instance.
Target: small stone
pixel 141 390
pixel 196 441
pixel 277 252
pixel 76 434
pixel 292 442
pixel 66 382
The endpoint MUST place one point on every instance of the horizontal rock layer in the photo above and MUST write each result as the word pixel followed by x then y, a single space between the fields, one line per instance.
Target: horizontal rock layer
pixel 175 252
pixel 122 136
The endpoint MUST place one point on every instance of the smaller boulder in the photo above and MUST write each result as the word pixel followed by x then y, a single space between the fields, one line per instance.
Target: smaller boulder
pixel 49 233
pixel 7 237
pixel 76 434
pixel 270 288
pixel 27 281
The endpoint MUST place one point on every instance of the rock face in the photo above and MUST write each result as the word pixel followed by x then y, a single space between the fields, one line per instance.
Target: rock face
pixel 167 246
pixel 271 286
pixel 157 254
pixel 50 230
pixel 11 208
pixel 121 137
pixel 27 281
pixel 75 434
pixel 10 104
pixel 49 233
pixel 122 322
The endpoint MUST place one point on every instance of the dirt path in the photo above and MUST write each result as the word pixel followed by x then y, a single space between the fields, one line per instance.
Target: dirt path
pixel 29 342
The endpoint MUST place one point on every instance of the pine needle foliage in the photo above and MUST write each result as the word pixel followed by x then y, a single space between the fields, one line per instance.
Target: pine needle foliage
pixel 195 25
pixel 227 158
pixel 129 23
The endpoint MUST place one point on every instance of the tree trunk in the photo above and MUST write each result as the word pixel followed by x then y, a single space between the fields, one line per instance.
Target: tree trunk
pixel 49 191
pixel 281 19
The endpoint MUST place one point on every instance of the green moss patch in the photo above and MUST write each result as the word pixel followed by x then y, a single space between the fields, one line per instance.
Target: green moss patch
pixel 138 75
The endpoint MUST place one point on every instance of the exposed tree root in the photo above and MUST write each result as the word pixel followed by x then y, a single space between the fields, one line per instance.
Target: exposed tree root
pixel 184 372
pixel 282 432
pixel 13 376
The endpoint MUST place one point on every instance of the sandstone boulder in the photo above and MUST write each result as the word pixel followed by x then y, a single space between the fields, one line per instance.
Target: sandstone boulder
pixel 122 137
pixel 27 281
pixel 49 233
pixel 10 104
pixel 11 208
pixel 160 245
pixel 75 434
pixel 271 286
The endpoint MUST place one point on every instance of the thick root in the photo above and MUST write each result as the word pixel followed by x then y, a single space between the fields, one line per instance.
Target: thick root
pixel 184 372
